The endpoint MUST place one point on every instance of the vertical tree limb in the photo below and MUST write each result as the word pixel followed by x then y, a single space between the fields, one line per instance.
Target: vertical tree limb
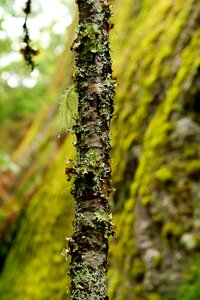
pixel 92 172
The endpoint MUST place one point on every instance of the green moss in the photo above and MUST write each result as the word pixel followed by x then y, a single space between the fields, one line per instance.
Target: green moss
pixel 164 175
pixel 137 271
pixel 158 218
pixel 190 152
pixel 171 230
pixel 157 260
pixel 40 240
pixel 146 200
pixel 193 169
pixel 150 99
pixel 138 289
pixel 154 296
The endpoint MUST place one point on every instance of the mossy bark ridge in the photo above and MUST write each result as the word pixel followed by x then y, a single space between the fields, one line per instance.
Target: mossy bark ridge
pixel 92 184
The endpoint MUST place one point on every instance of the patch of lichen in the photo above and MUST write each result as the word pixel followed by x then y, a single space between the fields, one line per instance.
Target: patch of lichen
pixel 82 274
pixel 91 170
pixel 35 268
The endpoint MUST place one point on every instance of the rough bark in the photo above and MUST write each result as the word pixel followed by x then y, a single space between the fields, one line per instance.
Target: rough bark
pixel 92 172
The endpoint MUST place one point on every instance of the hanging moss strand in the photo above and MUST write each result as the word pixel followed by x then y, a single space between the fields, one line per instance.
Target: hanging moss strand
pixel 92 173
pixel 27 50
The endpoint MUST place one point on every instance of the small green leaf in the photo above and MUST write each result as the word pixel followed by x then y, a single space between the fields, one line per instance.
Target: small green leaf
pixel 68 107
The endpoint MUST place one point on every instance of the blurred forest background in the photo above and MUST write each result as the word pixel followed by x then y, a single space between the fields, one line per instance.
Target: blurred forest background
pixel 155 156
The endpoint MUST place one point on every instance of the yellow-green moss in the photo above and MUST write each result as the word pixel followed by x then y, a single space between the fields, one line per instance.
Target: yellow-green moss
pixel 164 174
pixel 35 268
pixel 154 296
pixel 155 74
pixel 193 168
pixel 137 270
pixel 171 230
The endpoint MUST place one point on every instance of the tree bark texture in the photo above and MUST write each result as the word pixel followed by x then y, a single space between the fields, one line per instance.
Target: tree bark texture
pixel 92 184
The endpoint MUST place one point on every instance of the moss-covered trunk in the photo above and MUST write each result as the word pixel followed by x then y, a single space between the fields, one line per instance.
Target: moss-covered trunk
pixel 158 189
pixel 92 172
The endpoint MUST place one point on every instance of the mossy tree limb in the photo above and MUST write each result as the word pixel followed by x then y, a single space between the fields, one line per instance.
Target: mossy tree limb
pixel 92 172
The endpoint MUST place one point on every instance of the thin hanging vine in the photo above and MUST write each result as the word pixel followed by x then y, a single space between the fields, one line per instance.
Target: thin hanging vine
pixel 27 50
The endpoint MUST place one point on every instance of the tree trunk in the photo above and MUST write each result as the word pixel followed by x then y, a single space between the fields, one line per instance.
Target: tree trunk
pixel 158 154
pixel 92 172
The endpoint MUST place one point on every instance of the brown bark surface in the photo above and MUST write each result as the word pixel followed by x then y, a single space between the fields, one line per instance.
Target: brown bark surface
pixel 95 88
